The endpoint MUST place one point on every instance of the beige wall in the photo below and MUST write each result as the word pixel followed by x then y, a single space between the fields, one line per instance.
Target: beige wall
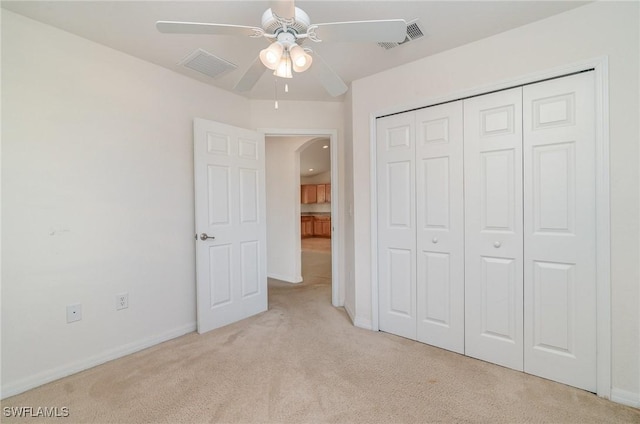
pixel 596 30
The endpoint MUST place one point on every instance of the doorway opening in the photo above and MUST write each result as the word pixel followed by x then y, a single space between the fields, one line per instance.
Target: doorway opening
pixel 291 241
pixel 315 210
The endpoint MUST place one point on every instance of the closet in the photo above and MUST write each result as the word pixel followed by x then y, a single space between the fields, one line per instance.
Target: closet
pixel 486 227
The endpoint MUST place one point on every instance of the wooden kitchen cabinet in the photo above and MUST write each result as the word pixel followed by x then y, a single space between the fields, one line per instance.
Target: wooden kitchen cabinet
pixel 315 226
pixel 322 226
pixel 306 226
pixel 315 193
pixel 320 191
pixel 308 193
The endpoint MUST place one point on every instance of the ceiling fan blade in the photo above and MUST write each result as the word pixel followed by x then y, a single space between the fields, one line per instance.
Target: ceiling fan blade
pixel 170 27
pixel 327 77
pixel 251 76
pixel 377 31
pixel 283 8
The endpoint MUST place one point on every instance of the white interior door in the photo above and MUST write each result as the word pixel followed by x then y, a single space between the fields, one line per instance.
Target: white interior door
pixel 396 224
pixel 560 230
pixel 493 228
pixel 440 226
pixel 230 224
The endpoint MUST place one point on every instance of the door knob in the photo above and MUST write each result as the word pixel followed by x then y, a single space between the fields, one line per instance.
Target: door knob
pixel 434 240
pixel 497 244
pixel 204 236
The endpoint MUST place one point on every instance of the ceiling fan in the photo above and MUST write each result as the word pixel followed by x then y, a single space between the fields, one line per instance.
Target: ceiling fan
pixel 287 27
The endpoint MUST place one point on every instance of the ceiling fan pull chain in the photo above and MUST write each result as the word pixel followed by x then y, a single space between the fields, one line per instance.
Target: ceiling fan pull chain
pixel 275 93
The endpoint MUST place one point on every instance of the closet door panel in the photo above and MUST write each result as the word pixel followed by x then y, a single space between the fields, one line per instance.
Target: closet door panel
pixel 493 228
pixel 559 230
pixel 440 226
pixel 395 154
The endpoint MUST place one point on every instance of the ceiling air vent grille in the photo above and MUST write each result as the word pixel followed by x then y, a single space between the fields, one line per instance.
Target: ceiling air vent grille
pixel 207 64
pixel 414 31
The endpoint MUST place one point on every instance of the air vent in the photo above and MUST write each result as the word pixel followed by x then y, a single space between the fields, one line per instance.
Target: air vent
pixel 207 63
pixel 414 31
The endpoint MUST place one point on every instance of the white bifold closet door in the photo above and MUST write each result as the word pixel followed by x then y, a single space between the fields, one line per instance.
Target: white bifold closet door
pixel 493 228
pixel 560 230
pixel 421 225
pixel 397 224
pixel 487 227
pixel 530 289
pixel 440 226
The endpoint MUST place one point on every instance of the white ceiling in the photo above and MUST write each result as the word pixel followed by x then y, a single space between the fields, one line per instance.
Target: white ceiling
pixel 129 26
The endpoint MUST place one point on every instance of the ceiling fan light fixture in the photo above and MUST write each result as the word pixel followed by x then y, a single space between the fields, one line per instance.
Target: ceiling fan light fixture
pixel 283 69
pixel 301 60
pixel 272 55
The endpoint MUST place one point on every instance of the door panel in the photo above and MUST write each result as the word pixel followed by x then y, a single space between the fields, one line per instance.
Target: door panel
pixel 401 290
pixel 248 196
pixel 553 193
pixel 396 224
pixel 498 287
pixel 440 226
pixel 493 228
pixel 553 309
pixel 219 201
pixel 437 298
pixel 497 190
pixel 436 188
pixel 559 230
pixel 220 271
pixel 230 209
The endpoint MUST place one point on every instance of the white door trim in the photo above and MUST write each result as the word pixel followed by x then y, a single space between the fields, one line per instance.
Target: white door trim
pixel 600 66
pixel 337 289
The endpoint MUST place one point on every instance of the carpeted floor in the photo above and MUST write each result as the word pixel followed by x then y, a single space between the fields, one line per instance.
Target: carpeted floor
pixel 303 361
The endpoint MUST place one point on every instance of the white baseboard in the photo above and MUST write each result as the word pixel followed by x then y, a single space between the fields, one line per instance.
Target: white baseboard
pixel 349 312
pixel 286 278
pixel 363 323
pixel 625 397
pixel 358 321
pixel 14 388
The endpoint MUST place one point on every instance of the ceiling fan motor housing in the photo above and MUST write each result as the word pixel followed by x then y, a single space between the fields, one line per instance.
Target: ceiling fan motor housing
pixel 271 24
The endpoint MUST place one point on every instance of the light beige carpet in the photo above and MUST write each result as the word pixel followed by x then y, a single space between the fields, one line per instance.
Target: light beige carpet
pixel 303 361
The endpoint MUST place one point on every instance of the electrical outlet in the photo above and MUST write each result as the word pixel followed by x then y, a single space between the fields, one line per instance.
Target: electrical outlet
pixel 74 313
pixel 122 301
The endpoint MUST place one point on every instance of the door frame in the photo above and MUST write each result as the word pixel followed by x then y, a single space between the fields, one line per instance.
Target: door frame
pixel 337 288
pixel 600 67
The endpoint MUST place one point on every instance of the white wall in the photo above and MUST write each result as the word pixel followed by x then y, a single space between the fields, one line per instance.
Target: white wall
pixel 97 199
pixel 595 30
pixel 349 249
pixel 283 207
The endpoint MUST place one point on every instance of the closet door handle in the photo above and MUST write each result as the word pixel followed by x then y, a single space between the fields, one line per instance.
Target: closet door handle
pixel 497 244
pixel 434 240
